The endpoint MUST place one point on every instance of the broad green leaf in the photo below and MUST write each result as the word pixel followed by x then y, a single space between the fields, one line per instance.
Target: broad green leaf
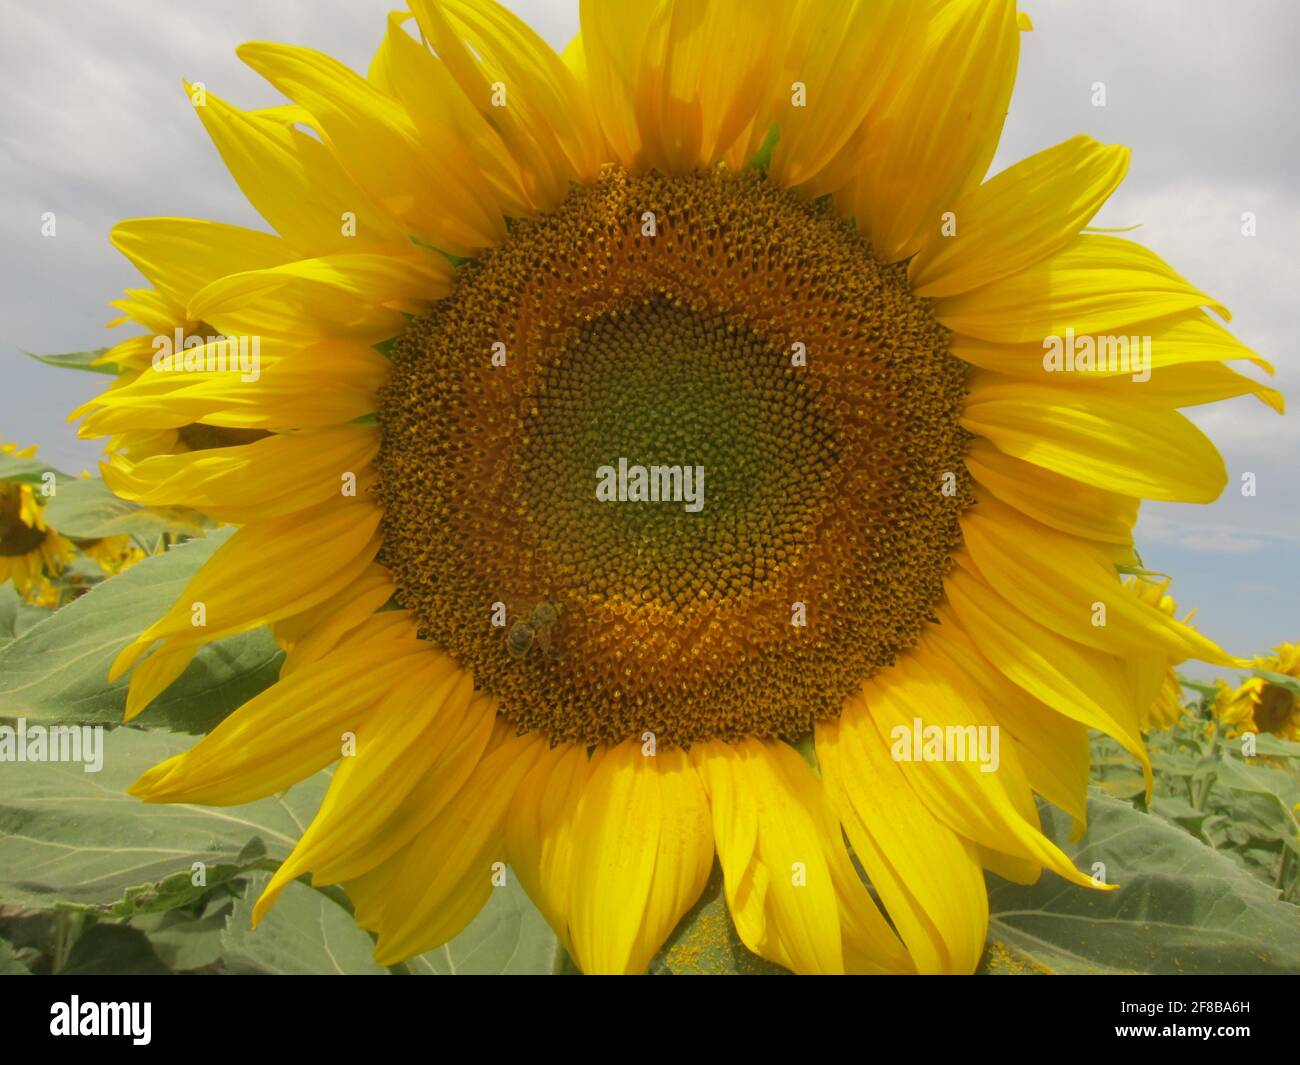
pixel 58 669
pixel 1181 907
pixel 705 942
pixel 29 470
pixel 309 932
pixel 304 932
pixel 9 604
pixel 1268 745
pixel 85 509
pixel 77 360
pixel 509 935
pixel 1269 794
pixel 17 615
pixel 71 836
pixel 183 941
pixel 112 950
pixel 1181 813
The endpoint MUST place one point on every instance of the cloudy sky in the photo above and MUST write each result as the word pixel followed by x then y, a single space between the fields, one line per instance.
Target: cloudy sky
pixel 96 128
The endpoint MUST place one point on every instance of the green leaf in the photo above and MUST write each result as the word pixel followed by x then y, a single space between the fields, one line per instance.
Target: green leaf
pixel 112 949
pixel 10 964
pixel 9 604
pixel 76 360
pixel 1270 746
pixel 307 931
pixel 20 616
pixel 763 157
pixel 1269 795
pixel 58 669
pixel 183 941
pixel 68 835
pixel 1208 690
pixel 509 935
pixel 180 889
pixel 1181 813
pixel 705 942
pixel 1180 908
pixel 85 509
pixel 304 932
pixel 28 470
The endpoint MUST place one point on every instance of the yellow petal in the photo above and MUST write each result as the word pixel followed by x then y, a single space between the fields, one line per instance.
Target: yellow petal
pixel 544 118
pixel 334 295
pixel 150 309
pixel 1187 385
pixel 1026 213
pixel 371 136
pixel 1057 759
pixel 1185 337
pixel 313 553
pixel 1070 506
pixel 613 39
pixel 793 895
pixel 845 66
pixel 1082 684
pixel 699 83
pixel 1126 447
pixel 408 70
pixel 935 139
pixel 540 837
pixel 155 675
pixel 1060 581
pixel 323 384
pixel 641 851
pixel 1097 284
pixel 450 756
pixel 295 183
pixel 928 876
pixel 989 808
pixel 283 735
pixel 446 874
pixel 181 255
pixel 392 753
pixel 251 482
pixel 310 635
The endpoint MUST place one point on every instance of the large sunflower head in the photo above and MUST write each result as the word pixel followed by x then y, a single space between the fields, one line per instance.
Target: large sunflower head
pixel 625 417
pixel 1262 705
pixel 30 551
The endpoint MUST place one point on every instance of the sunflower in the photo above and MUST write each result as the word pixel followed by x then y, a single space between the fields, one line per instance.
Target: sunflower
pixel 30 550
pixel 112 553
pixel 760 272
pixel 161 311
pixel 1260 705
